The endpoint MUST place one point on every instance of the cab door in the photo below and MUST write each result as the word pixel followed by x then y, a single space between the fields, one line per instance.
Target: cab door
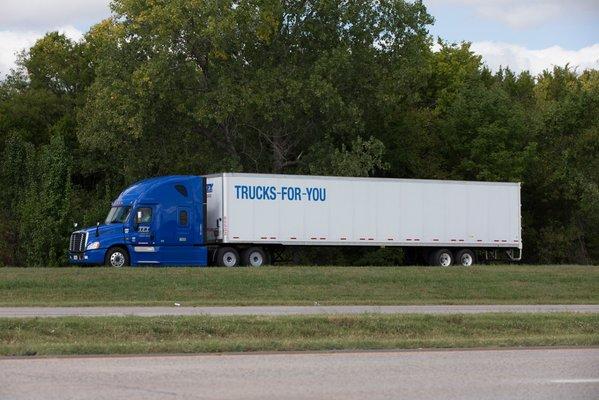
pixel 143 226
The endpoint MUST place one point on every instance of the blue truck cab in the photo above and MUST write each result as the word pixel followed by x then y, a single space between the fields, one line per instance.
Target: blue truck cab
pixel 157 221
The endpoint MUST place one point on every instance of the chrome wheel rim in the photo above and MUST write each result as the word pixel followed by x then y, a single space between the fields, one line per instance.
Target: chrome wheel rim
pixel 256 259
pixel 117 259
pixel 466 260
pixel 229 259
pixel 445 260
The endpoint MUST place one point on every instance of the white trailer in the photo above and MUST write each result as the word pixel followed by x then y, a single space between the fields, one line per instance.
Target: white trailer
pixel 445 222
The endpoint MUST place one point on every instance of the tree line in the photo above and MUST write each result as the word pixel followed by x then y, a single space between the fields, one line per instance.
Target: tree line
pixel 302 87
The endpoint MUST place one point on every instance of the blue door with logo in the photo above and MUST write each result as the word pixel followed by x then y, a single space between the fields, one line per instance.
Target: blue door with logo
pixel 143 226
pixel 142 235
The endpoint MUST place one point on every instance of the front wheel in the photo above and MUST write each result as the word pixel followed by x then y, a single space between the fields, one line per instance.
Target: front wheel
pixel 116 257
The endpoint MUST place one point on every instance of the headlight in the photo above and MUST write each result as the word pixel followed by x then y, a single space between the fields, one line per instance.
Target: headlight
pixel 93 246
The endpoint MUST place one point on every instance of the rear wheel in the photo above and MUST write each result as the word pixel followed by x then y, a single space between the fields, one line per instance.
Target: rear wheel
pixel 442 258
pixel 227 257
pixel 254 257
pixel 465 257
pixel 116 257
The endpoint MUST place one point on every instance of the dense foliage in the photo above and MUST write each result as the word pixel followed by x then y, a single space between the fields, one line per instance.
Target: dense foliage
pixel 318 87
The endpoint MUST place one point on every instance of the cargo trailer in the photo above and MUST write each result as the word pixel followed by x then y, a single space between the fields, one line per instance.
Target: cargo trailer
pixel 232 219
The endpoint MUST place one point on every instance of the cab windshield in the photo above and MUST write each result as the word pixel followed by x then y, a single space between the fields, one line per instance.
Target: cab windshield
pixel 117 215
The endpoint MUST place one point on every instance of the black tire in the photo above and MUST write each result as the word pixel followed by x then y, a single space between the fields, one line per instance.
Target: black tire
pixel 254 257
pixel 227 257
pixel 465 258
pixel 442 258
pixel 116 257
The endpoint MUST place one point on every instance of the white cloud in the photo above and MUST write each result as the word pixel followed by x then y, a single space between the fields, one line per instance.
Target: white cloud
pixel 12 42
pixel 22 22
pixel 527 13
pixel 519 58
pixel 38 15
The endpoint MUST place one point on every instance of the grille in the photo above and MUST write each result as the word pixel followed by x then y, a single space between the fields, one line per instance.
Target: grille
pixel 77 243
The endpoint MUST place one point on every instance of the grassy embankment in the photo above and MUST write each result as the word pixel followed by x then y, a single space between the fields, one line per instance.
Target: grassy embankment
pixel 126 335
pixel 295 285
pixel 500 284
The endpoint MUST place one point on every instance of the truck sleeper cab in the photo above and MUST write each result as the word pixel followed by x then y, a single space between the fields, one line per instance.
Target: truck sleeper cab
pixel 157 221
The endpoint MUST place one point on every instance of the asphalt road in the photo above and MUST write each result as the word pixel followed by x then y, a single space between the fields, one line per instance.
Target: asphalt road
pixel 19 312
pixel 464 374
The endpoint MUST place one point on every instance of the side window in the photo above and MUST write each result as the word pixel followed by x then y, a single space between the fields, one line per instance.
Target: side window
pixel 143 215
pixel 183 218
pixel 182 190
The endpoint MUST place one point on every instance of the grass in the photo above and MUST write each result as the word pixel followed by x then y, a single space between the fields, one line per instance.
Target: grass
pixel 498 284
pixel 135 335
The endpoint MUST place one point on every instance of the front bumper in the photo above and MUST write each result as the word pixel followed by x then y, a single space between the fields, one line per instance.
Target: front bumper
pixel 87 257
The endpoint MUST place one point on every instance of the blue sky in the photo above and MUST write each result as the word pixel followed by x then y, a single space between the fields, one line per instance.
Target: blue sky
pixel 571 25
pixel 521 34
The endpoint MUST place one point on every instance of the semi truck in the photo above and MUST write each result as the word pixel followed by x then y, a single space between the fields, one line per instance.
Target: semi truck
pixel 240 219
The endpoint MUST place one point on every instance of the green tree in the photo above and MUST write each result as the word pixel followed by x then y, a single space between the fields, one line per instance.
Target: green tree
pixel 561 198
pixel 320 87
pixel 45 206
pixel 44 89
pixel 257 82
pixel 17 158
pixel 364 158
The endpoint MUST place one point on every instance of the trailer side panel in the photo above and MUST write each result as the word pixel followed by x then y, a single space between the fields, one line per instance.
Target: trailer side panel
pixel 307 210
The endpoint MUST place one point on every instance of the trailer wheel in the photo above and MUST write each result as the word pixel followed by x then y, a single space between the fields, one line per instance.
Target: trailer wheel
pixel 465 258
pixel 442 258
pixel 227 257
pixel 116 257
pixel 254 257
